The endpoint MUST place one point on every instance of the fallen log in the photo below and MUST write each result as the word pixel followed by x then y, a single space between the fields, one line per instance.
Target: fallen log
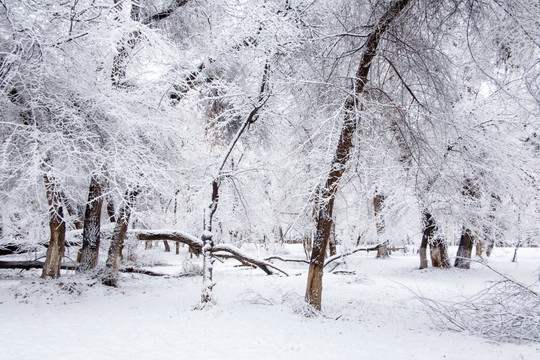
pixel 237 253
pixel 194 243
pixel 27 265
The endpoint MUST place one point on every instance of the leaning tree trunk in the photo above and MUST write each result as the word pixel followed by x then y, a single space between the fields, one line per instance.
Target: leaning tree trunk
pixel 55 251
pixel 341 156
pixel 464 252
pixel 110 277
pixel 92 227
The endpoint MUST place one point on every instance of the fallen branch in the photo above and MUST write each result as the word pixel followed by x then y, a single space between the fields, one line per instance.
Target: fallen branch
pixel 141 271
pixel 340 256
pixel 193 242
pixel 196 245
pixel 262 264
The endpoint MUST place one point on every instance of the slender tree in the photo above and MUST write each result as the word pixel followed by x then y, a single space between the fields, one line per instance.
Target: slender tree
pixel 342 153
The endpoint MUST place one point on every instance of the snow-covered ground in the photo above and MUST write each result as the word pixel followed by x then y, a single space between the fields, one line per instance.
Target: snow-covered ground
pixel 371 314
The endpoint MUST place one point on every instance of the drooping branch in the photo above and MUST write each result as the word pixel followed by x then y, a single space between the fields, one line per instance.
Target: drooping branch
pixel 363 248
pixel 303 261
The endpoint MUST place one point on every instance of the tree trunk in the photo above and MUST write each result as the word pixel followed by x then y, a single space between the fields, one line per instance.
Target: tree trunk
pixel 479 248
pixel 427 235
pixel 464 250
pixel 110 277
pixel 341 156
pixel 489 247
pixel 439 254
pixel 208 244
pixel 382 251
pixel 92 227
pixel 167 246
pixel 57 226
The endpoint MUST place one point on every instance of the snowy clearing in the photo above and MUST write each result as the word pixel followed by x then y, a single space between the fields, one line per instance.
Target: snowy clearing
pixel 371 314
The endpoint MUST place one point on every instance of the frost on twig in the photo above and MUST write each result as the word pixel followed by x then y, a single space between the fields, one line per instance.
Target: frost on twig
pixel 506 311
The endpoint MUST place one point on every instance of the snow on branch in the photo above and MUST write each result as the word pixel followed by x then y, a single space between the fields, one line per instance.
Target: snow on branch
pixel 339 256
pixel 262 264
pixel 194 243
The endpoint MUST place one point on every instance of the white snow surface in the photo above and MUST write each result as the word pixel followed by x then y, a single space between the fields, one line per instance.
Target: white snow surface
pixel 371 314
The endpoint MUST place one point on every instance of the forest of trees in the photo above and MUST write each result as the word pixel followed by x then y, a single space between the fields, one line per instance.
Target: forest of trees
pixel 383 123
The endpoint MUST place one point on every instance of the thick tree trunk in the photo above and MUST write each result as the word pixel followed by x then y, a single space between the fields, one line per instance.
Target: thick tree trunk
pixel 489 247
pixel 92 227
pixel 110 277
pixel 439 254
pixel 466 243
pixel 57 226
pixel 427 235
pixel 464 250
pixel 341 156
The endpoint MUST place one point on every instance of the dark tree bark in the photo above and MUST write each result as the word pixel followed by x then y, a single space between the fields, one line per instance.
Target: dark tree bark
pixel 464 250
pixel 341 156
pixel 92 227
pixel 427 235
pixel 439 253
pixel 167 246
pixel 110 277
pixel 55 251
pixel 466 243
